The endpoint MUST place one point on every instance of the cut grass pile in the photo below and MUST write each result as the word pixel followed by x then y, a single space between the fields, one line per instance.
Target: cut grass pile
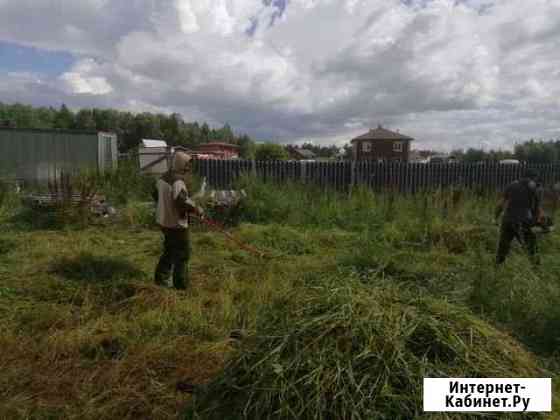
pixel 337 349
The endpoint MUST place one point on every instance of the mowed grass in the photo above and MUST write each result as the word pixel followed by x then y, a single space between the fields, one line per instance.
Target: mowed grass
pixel 85 334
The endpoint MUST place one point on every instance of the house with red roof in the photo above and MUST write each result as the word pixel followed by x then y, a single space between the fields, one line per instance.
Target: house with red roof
pixel 381 144
pixel 217 150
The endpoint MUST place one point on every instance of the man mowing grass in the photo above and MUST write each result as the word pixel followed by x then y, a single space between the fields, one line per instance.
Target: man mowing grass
pixel 523 210
pixel 173 208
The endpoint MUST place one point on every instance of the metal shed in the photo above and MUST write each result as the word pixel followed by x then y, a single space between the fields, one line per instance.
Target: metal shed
pixel 37 155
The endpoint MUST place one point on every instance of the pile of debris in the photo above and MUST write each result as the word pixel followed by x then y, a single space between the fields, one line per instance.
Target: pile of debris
pixel 222 205
pixel 68 192
pixel 218 198
pixel 97 204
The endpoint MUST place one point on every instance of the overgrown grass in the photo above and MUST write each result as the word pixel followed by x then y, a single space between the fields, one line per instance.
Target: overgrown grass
pixel 362 209
pixel 361 296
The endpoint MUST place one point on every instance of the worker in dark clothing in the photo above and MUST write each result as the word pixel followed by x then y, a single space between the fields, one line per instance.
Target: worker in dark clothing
pixel 522 210
pixel 173 208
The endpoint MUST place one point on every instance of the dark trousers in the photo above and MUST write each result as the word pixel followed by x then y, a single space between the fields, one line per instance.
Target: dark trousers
pixel 176 254
pixel 521 231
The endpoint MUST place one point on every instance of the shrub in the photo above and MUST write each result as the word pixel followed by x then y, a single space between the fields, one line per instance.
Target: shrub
pixel 126 183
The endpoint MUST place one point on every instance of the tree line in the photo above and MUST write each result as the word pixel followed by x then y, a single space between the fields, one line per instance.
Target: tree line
pixel 132 127
pixel 531 151
pixel 129 127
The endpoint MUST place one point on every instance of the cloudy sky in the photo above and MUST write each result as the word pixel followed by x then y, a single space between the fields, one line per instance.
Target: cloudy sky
pixel 451 73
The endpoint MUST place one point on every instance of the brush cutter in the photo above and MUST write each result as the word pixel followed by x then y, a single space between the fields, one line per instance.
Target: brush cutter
pixel 539 228
pixel 228 235
pixel 545 226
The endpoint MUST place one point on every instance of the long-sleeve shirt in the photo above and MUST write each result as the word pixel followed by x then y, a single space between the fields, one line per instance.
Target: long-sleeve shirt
pixel 173 203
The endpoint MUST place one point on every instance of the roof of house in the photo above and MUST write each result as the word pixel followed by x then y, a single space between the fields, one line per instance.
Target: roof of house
pixel 153 143
pixel 381 133
pixel 182 149
pixel 218 144
pixel 305 153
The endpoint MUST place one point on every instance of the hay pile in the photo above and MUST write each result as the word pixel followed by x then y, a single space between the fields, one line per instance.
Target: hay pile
pixel 341 350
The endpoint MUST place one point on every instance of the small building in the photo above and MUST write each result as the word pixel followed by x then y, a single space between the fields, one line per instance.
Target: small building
pixel 297 153
pixel 153 156
pixel 218 150
pixel 38 155
pixel 381 144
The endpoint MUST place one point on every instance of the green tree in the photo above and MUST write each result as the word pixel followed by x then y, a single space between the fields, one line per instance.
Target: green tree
pixel 45 117
pixel 247 147
pixel 64 118
pixel 204 133
pixel 271 151
pixel 348 152
pixel 537 151
pixel 474 155
pixel 226 134
pixel 171 129
pixel 85 120
pixel 146 126
pixel 22 116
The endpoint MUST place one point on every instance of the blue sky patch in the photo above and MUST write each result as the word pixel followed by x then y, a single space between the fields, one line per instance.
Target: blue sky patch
pixel 16 58
pixel 280 6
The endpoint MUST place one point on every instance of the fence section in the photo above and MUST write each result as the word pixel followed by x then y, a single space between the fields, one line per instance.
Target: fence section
pixel 403 177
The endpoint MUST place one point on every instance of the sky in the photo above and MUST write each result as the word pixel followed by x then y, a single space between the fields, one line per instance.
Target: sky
pixel 450 73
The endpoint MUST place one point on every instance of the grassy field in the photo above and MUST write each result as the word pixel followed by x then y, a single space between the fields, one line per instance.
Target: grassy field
pixel 358 299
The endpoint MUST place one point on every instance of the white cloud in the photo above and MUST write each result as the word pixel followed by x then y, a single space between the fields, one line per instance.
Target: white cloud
pixel 448 73
pixel 187 18
pixel 82 79
pixel 86 85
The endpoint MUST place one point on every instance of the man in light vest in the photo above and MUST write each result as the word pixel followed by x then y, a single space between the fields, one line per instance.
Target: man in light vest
pixel 173 209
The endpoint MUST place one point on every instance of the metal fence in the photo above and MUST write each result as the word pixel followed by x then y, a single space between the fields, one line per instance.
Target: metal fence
pixel 403 177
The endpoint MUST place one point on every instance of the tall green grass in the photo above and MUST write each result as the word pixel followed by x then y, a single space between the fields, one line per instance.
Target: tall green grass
pixel 361 209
